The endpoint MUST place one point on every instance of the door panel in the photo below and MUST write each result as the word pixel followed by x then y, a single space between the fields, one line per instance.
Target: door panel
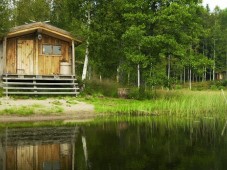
pixel 25 56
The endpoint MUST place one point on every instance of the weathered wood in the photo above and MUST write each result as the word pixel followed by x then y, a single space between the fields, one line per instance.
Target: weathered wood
pixel 1 58
pixel 44 28
pixel 32 83
pixel 25 58
pixel 4 54
pixel 73 57
pixel 41 76
pixel 24 157
pixel 44 79
pixel 50 64
pixel 11 158
pixel 11 62
pixel 36 61
pixel 37 88
pixel 43 93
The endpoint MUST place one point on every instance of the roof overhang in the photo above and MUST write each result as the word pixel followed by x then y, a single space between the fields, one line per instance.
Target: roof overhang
pixel 42 28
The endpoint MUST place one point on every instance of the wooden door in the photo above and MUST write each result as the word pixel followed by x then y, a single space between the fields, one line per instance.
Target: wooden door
pixel 25 57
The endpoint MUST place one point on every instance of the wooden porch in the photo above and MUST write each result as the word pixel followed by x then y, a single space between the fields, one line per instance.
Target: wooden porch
pixel 40 84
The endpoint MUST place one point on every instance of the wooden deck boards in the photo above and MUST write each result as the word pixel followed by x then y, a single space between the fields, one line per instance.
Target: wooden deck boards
pixel 40 84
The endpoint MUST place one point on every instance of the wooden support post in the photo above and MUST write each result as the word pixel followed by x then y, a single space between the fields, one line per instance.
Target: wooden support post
pixel 36 56
pixel 73 58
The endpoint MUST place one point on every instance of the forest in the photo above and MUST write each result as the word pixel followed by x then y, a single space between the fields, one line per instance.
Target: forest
pixel 134 42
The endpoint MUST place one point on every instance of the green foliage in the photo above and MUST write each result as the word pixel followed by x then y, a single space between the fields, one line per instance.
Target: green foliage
pixel 4 17
pixel 27 11
pixel 96 87
pixel 166 38
pixel 180 103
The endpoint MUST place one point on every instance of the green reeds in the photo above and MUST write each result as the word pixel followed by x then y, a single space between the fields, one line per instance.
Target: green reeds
pixel 183 103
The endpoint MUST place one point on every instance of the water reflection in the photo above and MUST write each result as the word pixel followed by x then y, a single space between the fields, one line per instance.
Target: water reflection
pixel 38 148
pixel 117 145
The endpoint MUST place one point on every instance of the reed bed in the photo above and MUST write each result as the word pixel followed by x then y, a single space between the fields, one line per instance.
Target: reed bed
pixel 181 103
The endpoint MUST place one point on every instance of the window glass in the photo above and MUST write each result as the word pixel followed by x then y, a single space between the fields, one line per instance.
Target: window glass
pixel 57 50
pixel 47 49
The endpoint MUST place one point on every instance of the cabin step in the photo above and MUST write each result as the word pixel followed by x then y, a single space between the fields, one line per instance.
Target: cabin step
pixel 39 79
pixel 35 92
pixel 38 88
pixel 34 83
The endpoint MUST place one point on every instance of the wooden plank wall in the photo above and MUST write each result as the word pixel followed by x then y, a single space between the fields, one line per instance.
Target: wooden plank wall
pixel 25 56
pixel 1 58
pixel 11 155
pixel 34 157
pixel 48 154
pixel 50 64
pixel 25 158
pixel 34 61
pixel 11 56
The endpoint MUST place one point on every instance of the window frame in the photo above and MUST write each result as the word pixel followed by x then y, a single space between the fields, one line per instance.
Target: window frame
pixel 52 50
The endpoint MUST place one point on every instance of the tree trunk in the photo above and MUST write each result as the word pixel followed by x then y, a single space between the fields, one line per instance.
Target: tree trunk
pixel 129 78
pixel 138 75
pixel 118 74
pixel 214 62
pixel 190 78
pixel 85 150
pixel 84 75
pixel 169 58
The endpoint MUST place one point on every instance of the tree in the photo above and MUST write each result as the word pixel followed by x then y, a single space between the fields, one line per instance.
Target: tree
pixel 27 11
pixel 4 17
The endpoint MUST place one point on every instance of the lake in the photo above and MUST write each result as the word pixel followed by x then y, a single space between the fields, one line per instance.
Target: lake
pixel 127 144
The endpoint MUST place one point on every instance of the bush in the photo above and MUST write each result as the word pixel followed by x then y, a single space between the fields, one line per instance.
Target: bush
pixel 141 93
pixel 99 88
pixel 213 87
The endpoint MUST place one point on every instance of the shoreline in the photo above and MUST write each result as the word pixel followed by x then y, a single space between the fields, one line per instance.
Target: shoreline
pixel 44 118
pixel 50 109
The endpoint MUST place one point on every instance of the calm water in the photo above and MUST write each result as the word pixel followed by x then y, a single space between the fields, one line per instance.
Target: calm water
pixel 122 145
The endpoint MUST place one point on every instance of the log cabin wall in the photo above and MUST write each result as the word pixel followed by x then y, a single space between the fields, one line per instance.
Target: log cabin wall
pixel 38 157
pixel 1 58
pixel 49 64
pixel 20 58
pixel 25 55
pixel 11 56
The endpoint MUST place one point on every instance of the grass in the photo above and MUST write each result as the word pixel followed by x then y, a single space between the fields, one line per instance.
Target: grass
pixel 180 103
pixel 31 110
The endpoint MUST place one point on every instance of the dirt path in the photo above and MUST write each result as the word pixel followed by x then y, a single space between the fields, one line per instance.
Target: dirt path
pixel 71 110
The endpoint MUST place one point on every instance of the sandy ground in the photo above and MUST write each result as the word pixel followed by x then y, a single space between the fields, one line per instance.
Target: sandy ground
pixel 74 111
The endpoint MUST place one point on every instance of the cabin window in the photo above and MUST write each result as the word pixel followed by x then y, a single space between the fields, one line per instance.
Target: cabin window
pixel 57 50
pixel 47 49
pixel 51 49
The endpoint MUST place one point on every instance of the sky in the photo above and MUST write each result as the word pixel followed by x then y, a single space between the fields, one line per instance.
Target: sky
pixel 212 3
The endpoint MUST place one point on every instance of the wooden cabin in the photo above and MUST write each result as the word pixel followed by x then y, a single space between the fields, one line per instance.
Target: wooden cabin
pixel 38 148
pixel 38 58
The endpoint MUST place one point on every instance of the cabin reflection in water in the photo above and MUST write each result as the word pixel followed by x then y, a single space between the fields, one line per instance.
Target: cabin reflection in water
pixel 38 148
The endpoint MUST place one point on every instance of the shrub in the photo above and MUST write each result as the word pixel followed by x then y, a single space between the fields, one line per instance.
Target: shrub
pixel 105 87
pixel 213 87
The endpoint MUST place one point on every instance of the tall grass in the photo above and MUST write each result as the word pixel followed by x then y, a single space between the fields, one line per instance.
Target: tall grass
pixel 96 87
pixel 183 103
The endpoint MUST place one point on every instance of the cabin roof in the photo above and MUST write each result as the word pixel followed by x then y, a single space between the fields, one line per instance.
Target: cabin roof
pixel 43 28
